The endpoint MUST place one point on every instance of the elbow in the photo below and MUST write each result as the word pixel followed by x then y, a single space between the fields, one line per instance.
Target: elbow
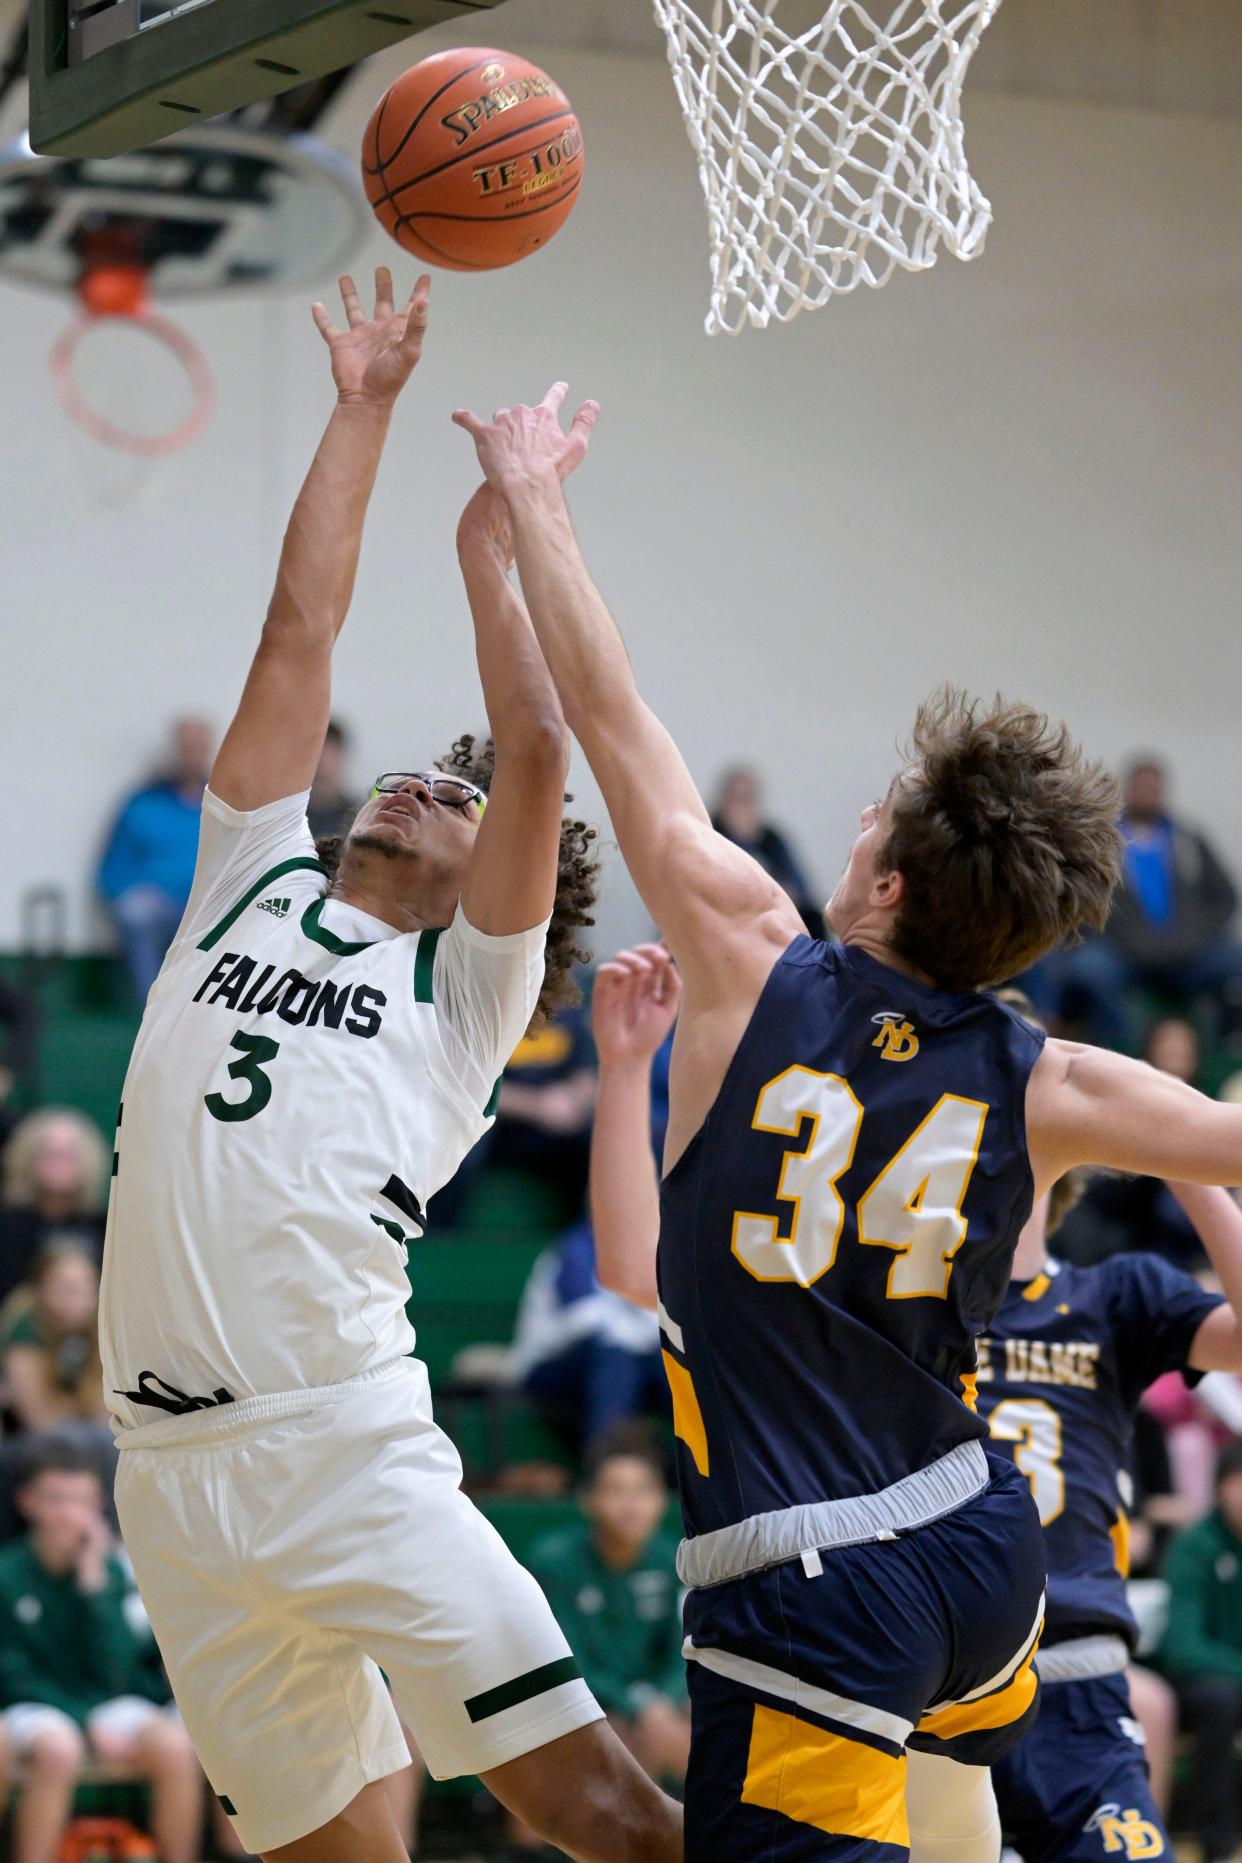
pixel 638 1292
pixel 539 741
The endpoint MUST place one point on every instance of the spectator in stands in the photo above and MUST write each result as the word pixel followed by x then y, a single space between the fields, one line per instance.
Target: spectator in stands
pixel 612 1582
pixel 49 1342
pixel 587 1357
pixel 1202 1653
pixel 1170 925
pixel 1122 1214
pixel 543 1116
pixel 738 815
pixel 79 1676
pixel 148 864
pixel 332 805
pixel 53 1179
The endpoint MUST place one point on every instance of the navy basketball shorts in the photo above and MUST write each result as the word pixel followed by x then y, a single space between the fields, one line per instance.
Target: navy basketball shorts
pixel 810 1680
pixel 1075 1789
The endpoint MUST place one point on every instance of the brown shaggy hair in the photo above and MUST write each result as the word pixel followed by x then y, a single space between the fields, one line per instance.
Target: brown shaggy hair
pixel 1005 836
pixel 576 876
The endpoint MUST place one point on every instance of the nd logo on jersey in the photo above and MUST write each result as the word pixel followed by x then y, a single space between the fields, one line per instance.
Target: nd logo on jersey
pixel 1126 1833
pixel 896 1040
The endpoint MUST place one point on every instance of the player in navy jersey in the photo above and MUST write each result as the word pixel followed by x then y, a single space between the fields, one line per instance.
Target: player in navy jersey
pixel 855 1141
pixel 1061 1370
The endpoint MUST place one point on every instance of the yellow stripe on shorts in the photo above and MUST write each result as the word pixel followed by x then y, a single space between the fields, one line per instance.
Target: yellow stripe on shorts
pixel 825 1780
pixel 687 1417
pixel 1008 1704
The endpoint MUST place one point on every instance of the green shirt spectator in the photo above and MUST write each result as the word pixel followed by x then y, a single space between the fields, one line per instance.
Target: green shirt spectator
pixel 79 1672
pixel 612 1582
pixel 623 1622
pixel 1204 1571
pixel 67 1648
pixel 1202 1653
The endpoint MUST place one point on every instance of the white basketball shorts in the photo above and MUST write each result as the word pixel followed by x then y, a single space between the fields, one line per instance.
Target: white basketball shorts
pixel 289 1547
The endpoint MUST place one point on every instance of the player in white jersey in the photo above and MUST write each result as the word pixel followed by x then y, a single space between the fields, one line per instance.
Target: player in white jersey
pixel 317 1055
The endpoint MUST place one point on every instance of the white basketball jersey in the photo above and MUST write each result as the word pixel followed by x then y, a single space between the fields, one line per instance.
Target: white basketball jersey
pixel 305 1078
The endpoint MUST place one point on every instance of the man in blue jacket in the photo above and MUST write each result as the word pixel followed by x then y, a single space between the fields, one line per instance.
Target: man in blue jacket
pixel 148 864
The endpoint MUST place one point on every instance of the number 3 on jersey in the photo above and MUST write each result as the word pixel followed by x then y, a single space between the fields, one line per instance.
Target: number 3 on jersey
pixel 256 1052
pixel 913 1207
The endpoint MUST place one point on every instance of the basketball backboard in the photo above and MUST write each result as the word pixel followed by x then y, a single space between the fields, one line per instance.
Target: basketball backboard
pixel 108 76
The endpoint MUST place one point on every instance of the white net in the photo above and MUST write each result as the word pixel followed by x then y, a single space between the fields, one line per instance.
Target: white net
pixel 831 150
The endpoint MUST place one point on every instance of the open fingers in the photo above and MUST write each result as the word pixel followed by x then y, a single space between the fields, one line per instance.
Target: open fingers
pixel 383 292
pixel 462 417
pixel 416 315
pixel 323 323
pixel 352 302
pixel 555 397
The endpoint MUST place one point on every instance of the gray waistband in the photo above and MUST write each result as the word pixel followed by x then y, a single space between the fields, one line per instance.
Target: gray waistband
pixel 768 1539
pixel 1082 1659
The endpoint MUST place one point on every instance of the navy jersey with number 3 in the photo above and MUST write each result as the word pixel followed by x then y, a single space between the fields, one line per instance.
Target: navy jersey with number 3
pixel 1061 1372
pixel 837 1234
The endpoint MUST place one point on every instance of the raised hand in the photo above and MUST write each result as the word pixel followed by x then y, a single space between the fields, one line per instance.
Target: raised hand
pixel 521 445
pixel 634 1003
pixel 374 357
pixel 485 520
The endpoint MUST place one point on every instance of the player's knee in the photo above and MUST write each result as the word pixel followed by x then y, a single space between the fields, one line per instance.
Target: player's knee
pixel 57 1753
pixel 164 1745
pixel 948 1803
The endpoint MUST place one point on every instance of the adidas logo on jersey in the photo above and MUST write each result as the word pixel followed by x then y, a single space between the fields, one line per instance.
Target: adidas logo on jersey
pixel 279 908
pixel 896 1040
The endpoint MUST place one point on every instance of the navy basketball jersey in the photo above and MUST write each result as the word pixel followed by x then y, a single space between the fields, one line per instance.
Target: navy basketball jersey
pixel 1061 1371
pixel 838 1232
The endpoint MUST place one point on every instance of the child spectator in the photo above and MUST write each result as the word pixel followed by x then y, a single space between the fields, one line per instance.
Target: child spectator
pixel 612 1582
pixel 53 1177
pixel 79 1678
pixel 1202 1653
pixel 49 1342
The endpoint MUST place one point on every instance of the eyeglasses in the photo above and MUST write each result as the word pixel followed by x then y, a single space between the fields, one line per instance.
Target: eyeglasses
pixel 453 791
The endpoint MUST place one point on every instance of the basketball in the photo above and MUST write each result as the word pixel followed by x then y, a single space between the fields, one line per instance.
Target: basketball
pixel 473 159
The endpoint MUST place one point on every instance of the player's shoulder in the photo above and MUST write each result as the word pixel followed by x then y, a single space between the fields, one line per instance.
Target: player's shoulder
pixel 1140 1279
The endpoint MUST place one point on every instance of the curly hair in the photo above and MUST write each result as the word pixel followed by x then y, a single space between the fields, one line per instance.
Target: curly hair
pixel 1006 838
pixel 576 881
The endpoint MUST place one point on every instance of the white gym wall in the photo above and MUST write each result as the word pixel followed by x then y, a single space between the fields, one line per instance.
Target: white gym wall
pixel 1018 474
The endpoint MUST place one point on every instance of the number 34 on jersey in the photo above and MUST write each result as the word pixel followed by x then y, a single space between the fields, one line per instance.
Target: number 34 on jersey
pixel 913 1207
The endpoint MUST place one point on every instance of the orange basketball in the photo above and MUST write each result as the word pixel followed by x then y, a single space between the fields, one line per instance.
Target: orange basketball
pixel 473 159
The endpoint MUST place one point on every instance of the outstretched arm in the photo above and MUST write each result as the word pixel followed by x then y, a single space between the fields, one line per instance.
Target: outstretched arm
pixel 633 1007
pixel 272 747
pixel 1087 1106
pixel 1217 1345
pixel 704 892
pixel 511 881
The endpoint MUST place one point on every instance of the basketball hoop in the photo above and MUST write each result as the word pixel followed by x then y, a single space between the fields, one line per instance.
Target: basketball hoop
pixel 120 291
pixel 830 143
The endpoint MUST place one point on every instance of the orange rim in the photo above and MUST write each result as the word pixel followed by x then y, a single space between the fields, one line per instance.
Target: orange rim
pixel 162 330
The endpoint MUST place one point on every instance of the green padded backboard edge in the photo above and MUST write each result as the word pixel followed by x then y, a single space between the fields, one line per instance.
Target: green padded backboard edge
pixel 203 62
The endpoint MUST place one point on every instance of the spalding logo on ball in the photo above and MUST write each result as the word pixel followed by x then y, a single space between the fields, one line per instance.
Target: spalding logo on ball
pixel 473 159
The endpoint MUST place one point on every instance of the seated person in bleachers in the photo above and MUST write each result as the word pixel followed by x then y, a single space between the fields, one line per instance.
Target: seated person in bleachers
pixel 49 1342
pixel 543 1118
pixel 53 1185
pixel 79 1676
pixel 587 1357
pixel 1202 1653
pixel 1171 929
pixel 612 1582
pixel 147 867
